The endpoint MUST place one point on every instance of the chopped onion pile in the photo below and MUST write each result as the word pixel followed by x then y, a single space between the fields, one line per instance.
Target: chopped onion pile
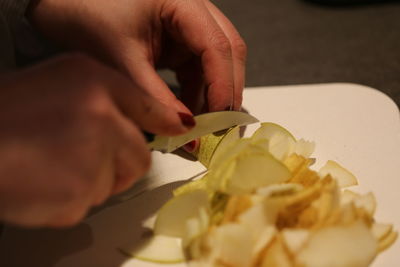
pixel 260 204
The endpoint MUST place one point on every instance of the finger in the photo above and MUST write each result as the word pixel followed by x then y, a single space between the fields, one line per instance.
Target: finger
pixel 71 208
pixel 192 23
pixel 192 146
pixel 67 217
pixel 239 51
pixel 190 78
pixel 132 156
pixel 147 112
pixel 105 180
pixel 46 205
pixel 143 74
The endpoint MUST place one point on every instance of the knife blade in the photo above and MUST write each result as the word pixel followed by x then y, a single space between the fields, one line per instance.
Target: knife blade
pixel 205 124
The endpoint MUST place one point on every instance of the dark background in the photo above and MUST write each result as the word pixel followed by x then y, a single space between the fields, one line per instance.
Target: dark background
pixel 300 42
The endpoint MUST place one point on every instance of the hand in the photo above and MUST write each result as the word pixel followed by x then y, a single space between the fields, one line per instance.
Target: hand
pixel 69 138
pixel 191 37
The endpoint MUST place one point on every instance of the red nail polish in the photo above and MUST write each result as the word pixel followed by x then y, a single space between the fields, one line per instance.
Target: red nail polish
pixel 187 120
pixel 191 146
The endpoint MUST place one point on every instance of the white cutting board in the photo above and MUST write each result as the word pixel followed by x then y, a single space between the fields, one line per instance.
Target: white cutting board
pixel 352 124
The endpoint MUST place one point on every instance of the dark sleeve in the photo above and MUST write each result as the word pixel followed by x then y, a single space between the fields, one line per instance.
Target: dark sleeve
pixel 7 57
pixel 13 9
pixel 18 40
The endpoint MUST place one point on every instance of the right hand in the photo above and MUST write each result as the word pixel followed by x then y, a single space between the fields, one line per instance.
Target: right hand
pixel 70 137
pixel 191 37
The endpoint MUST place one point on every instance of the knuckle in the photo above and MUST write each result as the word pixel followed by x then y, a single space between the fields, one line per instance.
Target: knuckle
pixel 128 175
pixel 70 197
pixel 222 44
pixel 146 105
pixel 75 190
pixel 97 105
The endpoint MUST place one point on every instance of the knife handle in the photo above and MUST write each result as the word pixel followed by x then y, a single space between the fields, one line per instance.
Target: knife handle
pixel 149 136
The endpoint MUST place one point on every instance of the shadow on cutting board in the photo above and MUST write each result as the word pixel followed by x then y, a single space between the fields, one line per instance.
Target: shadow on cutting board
pixel 94 242
pixel 42 247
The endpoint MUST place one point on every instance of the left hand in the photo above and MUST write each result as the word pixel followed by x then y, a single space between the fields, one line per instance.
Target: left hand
pixel 192 37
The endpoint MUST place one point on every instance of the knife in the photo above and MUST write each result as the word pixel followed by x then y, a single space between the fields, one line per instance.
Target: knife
pixel 205 124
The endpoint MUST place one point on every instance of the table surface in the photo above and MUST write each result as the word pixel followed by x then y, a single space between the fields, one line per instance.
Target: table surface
pixel 300 42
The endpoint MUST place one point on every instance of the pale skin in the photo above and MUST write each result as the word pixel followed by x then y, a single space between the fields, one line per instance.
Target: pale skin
pixel 71 127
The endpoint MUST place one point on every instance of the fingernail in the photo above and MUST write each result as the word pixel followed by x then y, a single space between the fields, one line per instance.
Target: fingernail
pixel 191 146
pixel 187 120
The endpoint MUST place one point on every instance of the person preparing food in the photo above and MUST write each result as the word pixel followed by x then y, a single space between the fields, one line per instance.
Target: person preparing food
pixel 71 124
